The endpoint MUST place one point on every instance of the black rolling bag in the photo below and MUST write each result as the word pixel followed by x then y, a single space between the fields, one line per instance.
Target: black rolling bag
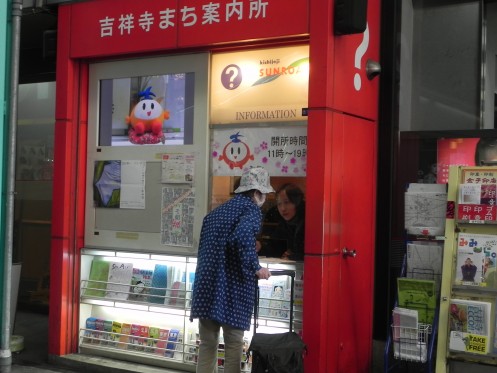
pixel 279 352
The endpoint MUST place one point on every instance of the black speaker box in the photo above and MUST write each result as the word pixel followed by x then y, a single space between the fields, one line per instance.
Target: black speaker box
pixel 350 16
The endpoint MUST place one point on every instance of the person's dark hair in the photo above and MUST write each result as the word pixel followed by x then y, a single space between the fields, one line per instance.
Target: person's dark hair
pixel 295 195
pixel 485 146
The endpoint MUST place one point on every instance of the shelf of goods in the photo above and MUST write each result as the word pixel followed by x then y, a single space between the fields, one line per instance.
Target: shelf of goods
pixel 136 306
pixel 469 284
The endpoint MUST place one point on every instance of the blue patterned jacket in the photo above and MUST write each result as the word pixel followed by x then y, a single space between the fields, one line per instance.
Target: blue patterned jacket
pixel 225 279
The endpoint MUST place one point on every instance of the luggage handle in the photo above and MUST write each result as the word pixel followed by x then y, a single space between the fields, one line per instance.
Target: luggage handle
pixel 283 272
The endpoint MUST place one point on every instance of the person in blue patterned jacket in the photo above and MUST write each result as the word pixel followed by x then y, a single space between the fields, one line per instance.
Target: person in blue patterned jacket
pixel 227 272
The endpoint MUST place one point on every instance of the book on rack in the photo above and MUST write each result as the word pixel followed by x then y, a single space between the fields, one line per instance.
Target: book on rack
pixel 119 273
pixel 476 259
pixel 141 281
pixel 469 326
pixel 424 261
pixel 419 295
pixel 97 280
pixel 159 284
pixel 425 209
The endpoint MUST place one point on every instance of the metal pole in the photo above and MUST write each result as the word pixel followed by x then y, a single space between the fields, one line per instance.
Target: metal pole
pixel 5 353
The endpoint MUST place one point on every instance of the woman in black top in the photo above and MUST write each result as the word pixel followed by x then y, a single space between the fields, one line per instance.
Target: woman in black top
pixel 290 218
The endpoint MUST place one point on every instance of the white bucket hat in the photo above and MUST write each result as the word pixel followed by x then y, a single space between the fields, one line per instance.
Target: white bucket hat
pixel 255 178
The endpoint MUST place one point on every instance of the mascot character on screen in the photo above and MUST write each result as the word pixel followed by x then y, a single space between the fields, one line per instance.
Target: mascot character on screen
pixel 146 120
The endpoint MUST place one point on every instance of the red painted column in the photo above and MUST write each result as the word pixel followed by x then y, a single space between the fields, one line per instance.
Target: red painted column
pixel 342 122
pixel 66 234
pixel 320 285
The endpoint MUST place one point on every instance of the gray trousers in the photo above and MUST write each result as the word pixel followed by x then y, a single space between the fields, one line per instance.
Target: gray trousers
pixel 209 341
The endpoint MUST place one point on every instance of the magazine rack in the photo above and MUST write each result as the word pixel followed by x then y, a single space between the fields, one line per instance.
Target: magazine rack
pixel 467 325
pixel 412 346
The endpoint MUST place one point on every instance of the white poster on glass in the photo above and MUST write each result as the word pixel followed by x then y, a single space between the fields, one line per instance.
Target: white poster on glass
pixel 280 150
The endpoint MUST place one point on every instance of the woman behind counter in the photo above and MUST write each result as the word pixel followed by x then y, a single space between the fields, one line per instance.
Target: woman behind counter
pixel 290 216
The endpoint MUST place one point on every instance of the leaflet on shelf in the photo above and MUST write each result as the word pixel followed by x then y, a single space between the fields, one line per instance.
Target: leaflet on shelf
pixel 419 295
pixel 469 326
pixel 99 273
pixel 172 341
pixel 160 349
pixel 476 260
pixel 116 331
pixel 425 208
pixel 265 291
pixel 159 284
pixel 176 295
pixel 91 326
pixel 99 335
pixel 119 273
pixel 124 338
pixel 107 335
pixel 409 342
pixel 476 202
pixel 141 282
pixel 424 261
pixel 153 338
pixel 277 299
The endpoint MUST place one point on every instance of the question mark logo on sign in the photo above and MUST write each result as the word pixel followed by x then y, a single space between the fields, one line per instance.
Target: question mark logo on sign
pixel 231 77
pixel 359 53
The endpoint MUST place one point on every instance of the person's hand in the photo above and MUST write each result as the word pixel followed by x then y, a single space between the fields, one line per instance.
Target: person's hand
pixel 263 274
pixel 258 246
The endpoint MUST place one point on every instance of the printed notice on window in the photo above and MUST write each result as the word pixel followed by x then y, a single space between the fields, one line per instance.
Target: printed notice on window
pixel 133 184
pixel 178 168
pixel 119 184
pixel 178 210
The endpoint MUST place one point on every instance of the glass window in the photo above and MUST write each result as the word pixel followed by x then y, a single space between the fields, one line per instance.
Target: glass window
pixel 147 110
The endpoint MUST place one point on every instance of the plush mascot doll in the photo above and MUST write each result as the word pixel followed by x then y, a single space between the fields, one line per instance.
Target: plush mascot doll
pixel 146 120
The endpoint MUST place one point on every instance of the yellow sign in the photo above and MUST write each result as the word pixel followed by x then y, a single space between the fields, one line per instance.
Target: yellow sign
pixel 260 86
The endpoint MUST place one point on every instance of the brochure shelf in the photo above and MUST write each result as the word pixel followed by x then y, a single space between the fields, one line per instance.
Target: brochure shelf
pixel 406 346
pixel 469 285
pixel 136 306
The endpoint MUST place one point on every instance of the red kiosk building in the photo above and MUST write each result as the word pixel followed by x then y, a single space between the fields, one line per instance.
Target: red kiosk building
pixel 103 38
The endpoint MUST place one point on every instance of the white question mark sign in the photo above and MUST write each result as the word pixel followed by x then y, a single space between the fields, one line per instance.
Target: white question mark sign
pixel 233 72
pixel 359 53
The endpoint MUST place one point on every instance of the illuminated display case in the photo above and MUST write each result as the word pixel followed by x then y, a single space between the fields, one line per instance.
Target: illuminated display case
pixel 135 307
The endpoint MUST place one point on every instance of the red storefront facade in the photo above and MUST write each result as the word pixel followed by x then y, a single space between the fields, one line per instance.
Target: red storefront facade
pixel 341 153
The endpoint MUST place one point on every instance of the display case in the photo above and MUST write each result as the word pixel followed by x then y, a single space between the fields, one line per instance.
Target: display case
pixel 468 297
pixel 135 307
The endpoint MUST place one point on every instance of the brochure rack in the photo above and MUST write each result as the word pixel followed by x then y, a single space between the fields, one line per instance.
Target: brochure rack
pixel 406 346
pixel 467 326
pixel 136 307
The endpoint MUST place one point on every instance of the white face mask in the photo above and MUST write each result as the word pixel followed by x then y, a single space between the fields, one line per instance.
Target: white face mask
pixel 259 199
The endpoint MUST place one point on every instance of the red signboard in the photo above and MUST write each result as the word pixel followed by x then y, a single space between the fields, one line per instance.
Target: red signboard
pixel 477 213
pixel 108 27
